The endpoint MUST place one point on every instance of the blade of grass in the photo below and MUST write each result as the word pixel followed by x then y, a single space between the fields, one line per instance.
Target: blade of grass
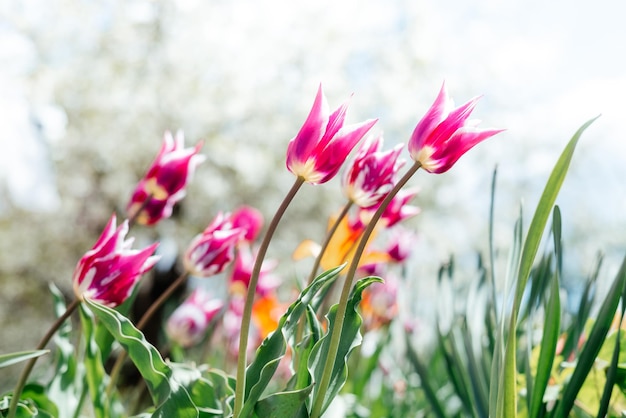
pixel 551 326
pixel 529 251
pixel 496 395
pixel 422 372
pixel 593 345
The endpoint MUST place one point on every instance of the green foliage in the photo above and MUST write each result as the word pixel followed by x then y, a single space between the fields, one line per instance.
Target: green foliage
pixel 169 397
pixel 13 358
pixel 349 339
pixel 513 350
pixel 273 348
pixel 529 252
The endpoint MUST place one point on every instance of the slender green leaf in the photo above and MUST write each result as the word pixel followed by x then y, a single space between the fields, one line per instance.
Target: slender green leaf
pixel 547 351
pixel 455 367
pixel 97 379
pixel 273 348
pixel 611 374
pixel 425 380
pixel 496 393
pixel 67 383
pixel 349 339
pixel 529 251
pixel 302 378
pixel 551 326
pixel 12 358
pixel 475 374
pixel 594 343
pixel 582 315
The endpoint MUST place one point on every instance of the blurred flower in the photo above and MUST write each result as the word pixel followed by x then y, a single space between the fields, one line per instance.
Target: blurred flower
pixel 342 246
pixel 372 174
pixel 211 251
pixel 250 219
pixel 323 143
pixel 266 313
pixel 380 304
pixel 397 211
pixel 401 244
pixel 189 322
pixel 444 134
pixel 165 182
pixel 242 271
pixel 109 271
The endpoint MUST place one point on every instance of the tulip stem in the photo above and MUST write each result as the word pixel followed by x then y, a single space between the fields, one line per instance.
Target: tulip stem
pixel 240 386
pixel 19 387
pixel 117 366
pixel 329 236
pixel 335 332
pixel 318 261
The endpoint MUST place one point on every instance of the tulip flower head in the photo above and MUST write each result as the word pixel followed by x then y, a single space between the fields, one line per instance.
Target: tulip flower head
pixel 242 271
pixel 372 174
pixel 189 322
pixel 165 182
pixel 211 251
pixel 445 133
pixel 250 219
pixel 397 211
pixel 399 248
pixel 317 152
pixel 108 273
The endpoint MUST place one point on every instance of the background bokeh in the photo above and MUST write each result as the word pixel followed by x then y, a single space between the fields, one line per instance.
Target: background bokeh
pixel 87 89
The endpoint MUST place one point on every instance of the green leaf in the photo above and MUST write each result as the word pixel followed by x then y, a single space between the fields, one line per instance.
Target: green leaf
pixel 25 409
pixel 208 390
pixel 594 343
pixel 425 380
pixel 288 404
pixel 496 394
pixel 66 385
pixel 97 379
pixel 529 251
pixel 551 326
pixel 12 358
pixel 167 394
pixel 611 374
pixel 273 348
pixel 302 378
pixel 349 339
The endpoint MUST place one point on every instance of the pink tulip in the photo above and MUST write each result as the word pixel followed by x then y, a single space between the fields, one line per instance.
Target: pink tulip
pixel 165 182
pixel 397 211
pixel 323 143
pixel 372 174
pixel 250 220
pixel 445 133
pixel 242 271
pixel 189 322
pixel 109 271
pixel 211 251
pixel 399 248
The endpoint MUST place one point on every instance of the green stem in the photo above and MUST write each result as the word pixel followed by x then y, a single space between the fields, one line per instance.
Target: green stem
pixel 117 366
pixel 19 387
pixel 240 386
pixel 316 265
pixel 335 332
